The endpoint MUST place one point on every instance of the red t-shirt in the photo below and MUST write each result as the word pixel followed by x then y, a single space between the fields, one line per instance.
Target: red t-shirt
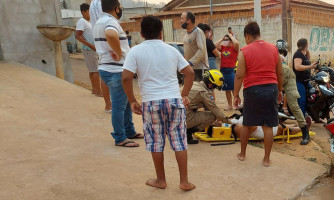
pixel 261 60
pixel 229 57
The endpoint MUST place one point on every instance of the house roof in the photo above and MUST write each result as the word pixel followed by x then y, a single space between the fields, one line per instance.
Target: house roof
pixel 169 8
pixel 216 9
pixel 174 3
pixel 313 3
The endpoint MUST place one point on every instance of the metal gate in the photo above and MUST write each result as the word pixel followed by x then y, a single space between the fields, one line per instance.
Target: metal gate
pixel 168 30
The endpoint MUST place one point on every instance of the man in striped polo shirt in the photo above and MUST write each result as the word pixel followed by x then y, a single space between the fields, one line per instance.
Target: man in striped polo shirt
pixel 112 47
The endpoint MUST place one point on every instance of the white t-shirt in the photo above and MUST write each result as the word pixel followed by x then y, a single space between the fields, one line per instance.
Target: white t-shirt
pixel 85 26
pixel 95 11
pixel 258 133
pixel 156 64
pixel 103 49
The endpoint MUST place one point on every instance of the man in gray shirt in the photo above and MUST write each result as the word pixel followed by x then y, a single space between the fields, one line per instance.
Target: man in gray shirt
pixel 194 43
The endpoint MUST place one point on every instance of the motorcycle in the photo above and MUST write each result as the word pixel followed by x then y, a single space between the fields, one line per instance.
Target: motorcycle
pixel 320 96
pixel 325 67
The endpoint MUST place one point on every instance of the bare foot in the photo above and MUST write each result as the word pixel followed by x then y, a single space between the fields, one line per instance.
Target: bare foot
pixel 240 157
pixel 229 108
pixel 99 94
pixel 266 163
pixel 156 183
pixel 187 186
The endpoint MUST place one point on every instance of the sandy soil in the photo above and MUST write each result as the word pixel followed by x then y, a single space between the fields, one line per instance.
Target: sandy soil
pixel 317 151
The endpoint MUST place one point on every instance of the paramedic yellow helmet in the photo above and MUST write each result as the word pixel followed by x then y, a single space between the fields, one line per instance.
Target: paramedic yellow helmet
pixel 215 77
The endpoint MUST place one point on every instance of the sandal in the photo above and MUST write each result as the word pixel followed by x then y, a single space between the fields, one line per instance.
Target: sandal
pixel 108 111
pixel 137 136
pixel 125 144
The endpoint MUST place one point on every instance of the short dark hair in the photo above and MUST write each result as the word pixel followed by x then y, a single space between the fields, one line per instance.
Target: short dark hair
pixel 151 27
pixel 227 37
pixel 302 43
pixel 127 32
pixel 109 5
pixel 84 7
pixel 191 16
pixel 252 28
pixel 204 27
pixel 229 28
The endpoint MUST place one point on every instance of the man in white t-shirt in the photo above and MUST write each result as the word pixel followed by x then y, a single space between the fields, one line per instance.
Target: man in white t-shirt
pixel 95 11
pixel 84 34
pixel 163 107
pixel 110 39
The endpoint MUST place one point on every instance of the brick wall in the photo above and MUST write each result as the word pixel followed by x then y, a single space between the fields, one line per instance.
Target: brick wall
pixel 317 27
pixel 320 17
pixel 271 28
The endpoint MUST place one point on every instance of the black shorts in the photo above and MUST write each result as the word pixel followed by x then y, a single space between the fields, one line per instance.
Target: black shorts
pixel 260 105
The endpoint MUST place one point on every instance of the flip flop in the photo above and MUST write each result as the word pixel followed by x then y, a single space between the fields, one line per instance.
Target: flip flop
pixel 107 111
pixel 125 143
pixel 137 136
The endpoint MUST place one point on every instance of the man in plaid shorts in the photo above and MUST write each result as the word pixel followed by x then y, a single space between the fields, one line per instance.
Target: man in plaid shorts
pixel 163 107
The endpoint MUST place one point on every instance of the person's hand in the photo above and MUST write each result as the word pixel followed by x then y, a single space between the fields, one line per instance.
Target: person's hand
pixel 93 47
pixel 136 108
pixel 314 65
pixel 280 97
pixel 236 101
pixel 186 101
pixel 230 35
pixel 115 56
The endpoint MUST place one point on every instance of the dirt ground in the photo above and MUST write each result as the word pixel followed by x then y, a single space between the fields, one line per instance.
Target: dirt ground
pixel 317 151
pixel 56 144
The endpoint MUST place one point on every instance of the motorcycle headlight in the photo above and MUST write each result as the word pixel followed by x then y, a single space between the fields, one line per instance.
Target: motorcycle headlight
pixel 326 79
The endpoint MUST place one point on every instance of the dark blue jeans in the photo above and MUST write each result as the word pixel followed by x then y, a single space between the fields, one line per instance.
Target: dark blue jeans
pixel 302 100
pixel 121 114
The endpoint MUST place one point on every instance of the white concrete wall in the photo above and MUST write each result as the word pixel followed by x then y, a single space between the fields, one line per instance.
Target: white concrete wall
pixel 321 40
pixel 271 29
pixel 20 40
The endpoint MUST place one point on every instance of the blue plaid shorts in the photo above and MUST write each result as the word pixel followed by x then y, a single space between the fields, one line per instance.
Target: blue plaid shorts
pixel 161 117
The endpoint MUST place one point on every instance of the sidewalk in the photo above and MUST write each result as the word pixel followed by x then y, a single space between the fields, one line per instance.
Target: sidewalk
pixel 56 144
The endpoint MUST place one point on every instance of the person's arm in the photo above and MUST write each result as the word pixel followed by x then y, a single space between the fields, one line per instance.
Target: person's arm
pixel 201 51
pixel 210 104
pixel 235 42
pixel 239 77
pixel 300 67
pixel 212 48
pixel 114 43
pixel 216 52
pixel 79 35
pixel 218 46
pixel 280 79
pixel 127 78
pixel 189 75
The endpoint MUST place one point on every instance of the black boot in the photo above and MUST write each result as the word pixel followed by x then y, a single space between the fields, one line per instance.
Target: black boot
pixel 190 133
pixel 306 136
